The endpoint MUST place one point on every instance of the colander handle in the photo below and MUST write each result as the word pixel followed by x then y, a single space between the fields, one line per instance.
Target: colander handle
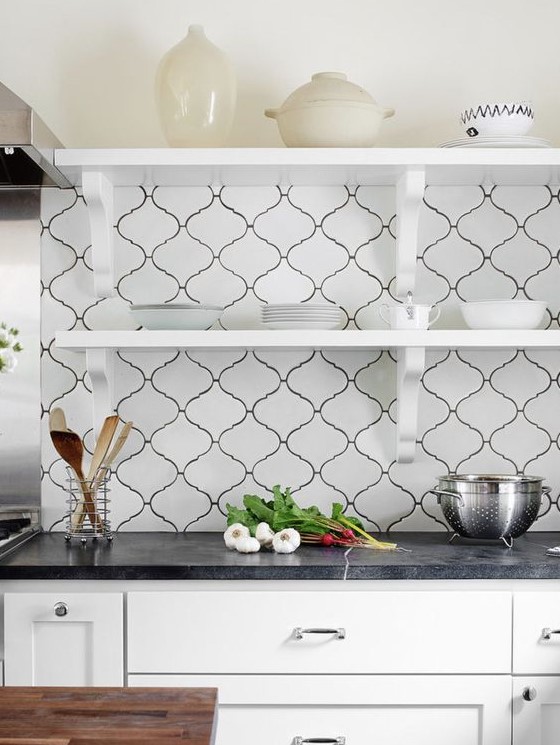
pixel 546 489
pixel 441 492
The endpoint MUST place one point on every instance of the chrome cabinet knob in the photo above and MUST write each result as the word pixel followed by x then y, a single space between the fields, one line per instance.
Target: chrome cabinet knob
pixel 546 633
pixel 331 740
pixel 529 693
pixel 60 609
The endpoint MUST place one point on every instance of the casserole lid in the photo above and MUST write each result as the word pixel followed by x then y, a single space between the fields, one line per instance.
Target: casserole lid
pixel 327 88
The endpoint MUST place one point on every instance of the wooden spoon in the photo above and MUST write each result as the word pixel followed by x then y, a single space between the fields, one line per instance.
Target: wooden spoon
pixel 57 420
pixel 99 452
pixel 71 449
pixel 103 444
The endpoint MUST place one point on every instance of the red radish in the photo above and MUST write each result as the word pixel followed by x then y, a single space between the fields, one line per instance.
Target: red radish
pixel 327 539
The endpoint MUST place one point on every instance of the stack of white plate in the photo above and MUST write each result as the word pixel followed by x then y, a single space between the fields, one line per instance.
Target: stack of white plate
pixel 302 316
pixel 498 141
pixel 177 316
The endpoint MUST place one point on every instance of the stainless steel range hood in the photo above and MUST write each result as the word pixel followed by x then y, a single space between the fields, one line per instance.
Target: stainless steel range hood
pixel 26 146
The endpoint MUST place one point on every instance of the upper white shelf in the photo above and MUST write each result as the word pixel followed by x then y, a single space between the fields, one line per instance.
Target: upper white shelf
pixel 306 339
pixel 310 166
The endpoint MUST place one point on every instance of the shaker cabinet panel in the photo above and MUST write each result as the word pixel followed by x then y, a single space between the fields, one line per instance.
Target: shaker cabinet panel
pixel 64 639
pixel 536 710
pixel 357 710
pixel 319 632
pixel 536 633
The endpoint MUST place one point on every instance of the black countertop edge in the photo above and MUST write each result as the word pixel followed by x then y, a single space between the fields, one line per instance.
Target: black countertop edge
pixel 203 556
pixel 264 574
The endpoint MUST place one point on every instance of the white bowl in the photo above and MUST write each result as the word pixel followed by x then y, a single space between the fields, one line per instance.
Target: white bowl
pixel 178 317
pixel 503 314
pixel 510 118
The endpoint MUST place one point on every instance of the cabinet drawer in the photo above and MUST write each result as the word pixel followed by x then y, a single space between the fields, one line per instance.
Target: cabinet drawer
pixel 425 710
pixel 254 632
pixel 533 612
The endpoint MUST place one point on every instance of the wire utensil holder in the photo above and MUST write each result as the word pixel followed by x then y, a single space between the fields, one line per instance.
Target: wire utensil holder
pixel 87 513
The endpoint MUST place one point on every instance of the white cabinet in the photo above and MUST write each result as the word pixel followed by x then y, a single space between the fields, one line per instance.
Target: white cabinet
pixel 364 666
pixel 353 632
pixel 63 639
pixel 536 710
pixel 536 667
pixel 536 630
pixel 424 710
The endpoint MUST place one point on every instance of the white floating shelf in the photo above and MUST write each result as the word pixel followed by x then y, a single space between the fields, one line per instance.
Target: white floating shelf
pixel 410 347
pixel 306 339
pixel 311 166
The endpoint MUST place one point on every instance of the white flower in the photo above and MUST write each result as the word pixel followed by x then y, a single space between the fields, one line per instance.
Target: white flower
pixel 8 346
pixel 286 541
pixel 234 533
pixel 247 545
pixel 264 535
pixel 6 339
pixel 8 360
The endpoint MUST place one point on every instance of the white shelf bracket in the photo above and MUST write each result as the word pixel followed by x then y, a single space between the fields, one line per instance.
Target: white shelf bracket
pixel 410 368
pixel 100 367
pixel 410 195
pixel 98 195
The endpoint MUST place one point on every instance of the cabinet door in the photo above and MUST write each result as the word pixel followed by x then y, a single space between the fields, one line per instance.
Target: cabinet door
pixel 536 710
pixel 63 639
pixel 363 710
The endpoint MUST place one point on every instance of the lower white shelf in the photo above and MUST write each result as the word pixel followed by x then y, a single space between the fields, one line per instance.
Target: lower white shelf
pixel 308 339
pixel 410 348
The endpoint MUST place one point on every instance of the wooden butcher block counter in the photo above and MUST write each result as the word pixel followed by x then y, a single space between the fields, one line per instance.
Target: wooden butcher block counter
pixel 108 716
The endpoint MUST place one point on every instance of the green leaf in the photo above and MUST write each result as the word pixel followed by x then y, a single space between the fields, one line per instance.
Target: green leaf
pixel 237 515
pixel 337 510
pixel 258 508
pixel 339 516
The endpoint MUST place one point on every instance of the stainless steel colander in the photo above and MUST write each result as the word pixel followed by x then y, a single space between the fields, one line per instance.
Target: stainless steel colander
pixel 490 505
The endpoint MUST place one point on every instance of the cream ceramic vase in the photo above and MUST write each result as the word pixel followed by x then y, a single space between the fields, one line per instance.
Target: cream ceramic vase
pixel 195 93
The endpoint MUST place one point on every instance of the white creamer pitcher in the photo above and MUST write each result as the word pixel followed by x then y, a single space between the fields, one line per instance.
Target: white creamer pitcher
pixel 409 315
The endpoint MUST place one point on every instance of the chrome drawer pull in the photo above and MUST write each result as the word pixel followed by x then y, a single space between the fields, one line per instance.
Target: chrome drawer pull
pixel 298 634
pixel 332 740
pixel 547 633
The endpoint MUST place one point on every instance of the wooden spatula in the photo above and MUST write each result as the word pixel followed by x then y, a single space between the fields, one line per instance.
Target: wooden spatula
pixel 103 444
pixel 100 451
pixel 113 452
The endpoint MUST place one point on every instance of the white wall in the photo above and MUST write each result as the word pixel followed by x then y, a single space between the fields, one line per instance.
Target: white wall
pixel 88 66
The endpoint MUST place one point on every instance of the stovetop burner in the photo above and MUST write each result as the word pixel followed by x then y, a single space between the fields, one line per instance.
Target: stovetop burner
pixel 17 525
pixel 7 527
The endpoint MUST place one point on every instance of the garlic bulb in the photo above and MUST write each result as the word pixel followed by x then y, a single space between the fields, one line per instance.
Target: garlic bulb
pixel 286 541
pixel 247 545
pixel 235 533
pixel 264 535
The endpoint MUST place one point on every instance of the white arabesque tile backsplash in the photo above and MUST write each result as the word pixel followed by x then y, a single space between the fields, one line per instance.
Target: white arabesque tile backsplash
pixel 210 427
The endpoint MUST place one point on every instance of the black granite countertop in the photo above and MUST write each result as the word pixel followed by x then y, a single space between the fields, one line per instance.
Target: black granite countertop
pixel 203 556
